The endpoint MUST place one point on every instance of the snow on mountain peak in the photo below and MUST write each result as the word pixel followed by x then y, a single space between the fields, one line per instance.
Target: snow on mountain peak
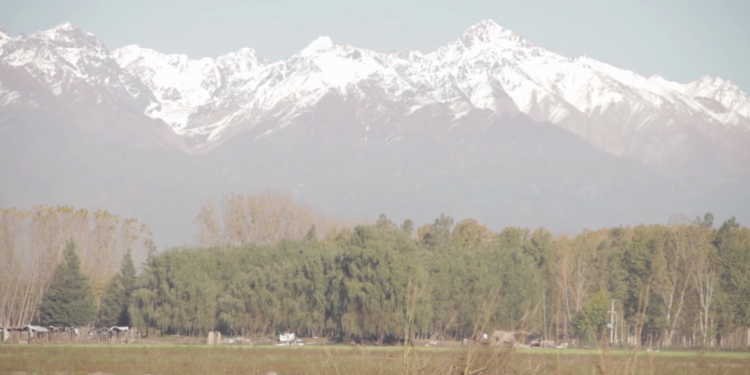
pixel 65 26
pixel 244 60
pixel 179 83
pixel 125 55
pixel 74 63
pixel 488 31
pixel 722 91
pixel 247 53
pixel 319 44
pixel 489 67
pixel 64 43
pixel 236 65
pixel 4 38
pixel 67 36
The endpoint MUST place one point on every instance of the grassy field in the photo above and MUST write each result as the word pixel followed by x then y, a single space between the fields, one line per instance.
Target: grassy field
pixel 339 360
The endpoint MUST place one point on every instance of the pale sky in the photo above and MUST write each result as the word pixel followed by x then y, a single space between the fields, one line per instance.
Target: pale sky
pixel 677 39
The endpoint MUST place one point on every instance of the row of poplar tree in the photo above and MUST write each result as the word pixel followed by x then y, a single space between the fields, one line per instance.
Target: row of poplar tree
pixel 683 284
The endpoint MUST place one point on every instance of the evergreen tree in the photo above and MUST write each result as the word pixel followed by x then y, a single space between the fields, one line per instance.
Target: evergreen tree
pixel 128 274
pixel 68 300
pixel 384 223
pixel 112 303
pixel 437 234
pixel 708 220
pixel 116 299
pixel 408 227
pixel 311 234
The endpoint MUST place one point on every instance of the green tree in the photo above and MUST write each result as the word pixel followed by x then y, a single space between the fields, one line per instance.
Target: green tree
pixel 371 281
pixel 384 223
pixel 733 245
pixel 128 273
pixel 112 304
pixel 408 227
pixel 116 299
pixel 68 300
pixel 593 318
pixel 437 234
pixel 375 268
pixel 312 234
pixel 707 222
pixel 469 233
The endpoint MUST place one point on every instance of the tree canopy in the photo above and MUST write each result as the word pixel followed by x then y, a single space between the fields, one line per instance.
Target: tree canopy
pixel 685 283
pixel 68 301
pixel 116 300
pixel 678 284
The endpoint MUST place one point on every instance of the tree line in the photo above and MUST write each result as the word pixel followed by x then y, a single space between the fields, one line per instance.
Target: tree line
pixel 682 284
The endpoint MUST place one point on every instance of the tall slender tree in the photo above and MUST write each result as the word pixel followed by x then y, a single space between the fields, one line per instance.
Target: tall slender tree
pixel 116 299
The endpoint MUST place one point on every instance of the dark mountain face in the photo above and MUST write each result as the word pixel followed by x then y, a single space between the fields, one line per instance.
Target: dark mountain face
pixel 504 170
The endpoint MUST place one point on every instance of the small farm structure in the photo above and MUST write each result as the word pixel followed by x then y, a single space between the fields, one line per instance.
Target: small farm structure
pixel 510 338
pixel 67 335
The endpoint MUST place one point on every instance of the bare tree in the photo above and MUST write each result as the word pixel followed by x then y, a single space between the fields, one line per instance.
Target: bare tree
pixel 264 217
pixel 704 273
pixel 671 273
pixel 31 244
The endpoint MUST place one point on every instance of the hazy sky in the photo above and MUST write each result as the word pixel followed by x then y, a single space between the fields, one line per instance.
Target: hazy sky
pixel 678 39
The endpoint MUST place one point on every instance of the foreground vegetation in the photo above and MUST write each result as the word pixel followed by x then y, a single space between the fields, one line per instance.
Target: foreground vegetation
pixel 182 360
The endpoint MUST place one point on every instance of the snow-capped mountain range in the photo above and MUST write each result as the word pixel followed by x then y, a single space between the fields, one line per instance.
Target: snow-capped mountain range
pixel 488 68
pixel 453 96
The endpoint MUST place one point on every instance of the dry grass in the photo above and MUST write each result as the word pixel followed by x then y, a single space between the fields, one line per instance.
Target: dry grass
pixel 339 360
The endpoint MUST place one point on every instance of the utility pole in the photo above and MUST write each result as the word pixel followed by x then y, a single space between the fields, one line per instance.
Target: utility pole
pixel 611 324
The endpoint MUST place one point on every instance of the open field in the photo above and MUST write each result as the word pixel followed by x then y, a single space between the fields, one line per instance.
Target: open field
pixel 187 360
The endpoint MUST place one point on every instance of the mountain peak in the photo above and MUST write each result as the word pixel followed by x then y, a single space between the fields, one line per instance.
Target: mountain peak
pixel 68 35
pixel 126 55
pixel 488 31
pixel 706 79
pixel 320 44
pixel 4 33
pixel 487 23
pixel 706 82
pixel 243 60
pixel 249 53
pixel 67 26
